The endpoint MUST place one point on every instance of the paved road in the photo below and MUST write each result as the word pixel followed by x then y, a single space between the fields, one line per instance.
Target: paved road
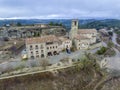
pixel 53 59
pixel 114 39
pixel 29 63
pixel 74 55
pixel 114 62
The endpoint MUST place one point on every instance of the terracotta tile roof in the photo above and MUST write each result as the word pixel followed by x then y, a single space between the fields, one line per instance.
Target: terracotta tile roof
pixel 63 39
pixel 87 31
pixel 43 39
pixel 80 37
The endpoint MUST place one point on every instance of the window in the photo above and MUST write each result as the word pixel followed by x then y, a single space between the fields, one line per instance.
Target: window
pixel 37 52
pixel 32 57
pixel 31 47
pixel 42 47
pixel 37 56
pixel 31 52
pixel 75 23
pixel 42 55
pixel 53 47
pixel 47 47
pixel 67 46
pixel 42 51
pixel 56 46
pixel 36 47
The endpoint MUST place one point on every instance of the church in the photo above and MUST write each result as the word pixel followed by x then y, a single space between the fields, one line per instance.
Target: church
pixel 82 38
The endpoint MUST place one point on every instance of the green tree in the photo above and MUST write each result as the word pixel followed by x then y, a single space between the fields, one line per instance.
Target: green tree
pixel 61 24
pixel 56 24
pixel 102 51
pixel 51 23
pixel 19 24
pixel 35 34
pixel 110 44
pixel 38 34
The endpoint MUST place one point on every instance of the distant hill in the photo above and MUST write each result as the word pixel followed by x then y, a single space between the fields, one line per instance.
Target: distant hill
pixel 86 23
pixel 98 24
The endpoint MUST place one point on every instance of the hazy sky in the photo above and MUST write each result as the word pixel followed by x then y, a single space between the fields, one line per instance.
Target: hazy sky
pixel 59 9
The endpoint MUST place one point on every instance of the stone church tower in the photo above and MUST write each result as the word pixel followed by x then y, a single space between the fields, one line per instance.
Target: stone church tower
pixel 74 29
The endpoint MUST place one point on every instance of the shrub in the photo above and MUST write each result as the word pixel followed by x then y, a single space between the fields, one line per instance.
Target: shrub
pixel 63 50
pixel 101 51
pixel 110 44
pixel 73 49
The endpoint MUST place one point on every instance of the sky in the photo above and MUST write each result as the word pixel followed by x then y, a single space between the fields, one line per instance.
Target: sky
pixel 59 9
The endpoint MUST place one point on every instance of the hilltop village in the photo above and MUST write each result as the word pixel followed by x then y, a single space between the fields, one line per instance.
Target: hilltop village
pixel 53 46
pixel 48 45
pixel 34 44
pixel 43 40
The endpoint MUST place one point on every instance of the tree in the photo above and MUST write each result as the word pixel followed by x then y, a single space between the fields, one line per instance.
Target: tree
pixel 73 49
pixel 44 63
pixel 56 24
pixel 110 33
pixel 19 24
pixel 35 34
pixel 102 51
pixel 38 34
pixel 61 24
pixel 110 44
pixel 51 23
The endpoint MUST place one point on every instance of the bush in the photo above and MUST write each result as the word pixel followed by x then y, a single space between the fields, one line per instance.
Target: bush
pixel 110 44
pixel 73 49
pixel 110 52
pixel 101 51
pixel 63 50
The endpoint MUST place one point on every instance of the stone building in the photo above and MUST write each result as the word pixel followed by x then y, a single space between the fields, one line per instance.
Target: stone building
pixel 82 38
pixel 65 43
pixel 89 33
pixel 81 42
pixel 31 31
pixel 44 46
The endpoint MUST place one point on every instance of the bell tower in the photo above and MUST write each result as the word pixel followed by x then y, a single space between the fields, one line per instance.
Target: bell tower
pixel 74 29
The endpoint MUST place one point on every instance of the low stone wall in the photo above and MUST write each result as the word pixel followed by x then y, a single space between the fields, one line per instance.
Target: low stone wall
pixel 95 45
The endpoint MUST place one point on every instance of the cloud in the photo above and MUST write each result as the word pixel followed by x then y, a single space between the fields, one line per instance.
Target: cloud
pixel 59 9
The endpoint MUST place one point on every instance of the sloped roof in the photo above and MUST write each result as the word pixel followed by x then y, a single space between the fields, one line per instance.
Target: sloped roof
pixel 43 39
pixel 81 37
pixel 87 31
